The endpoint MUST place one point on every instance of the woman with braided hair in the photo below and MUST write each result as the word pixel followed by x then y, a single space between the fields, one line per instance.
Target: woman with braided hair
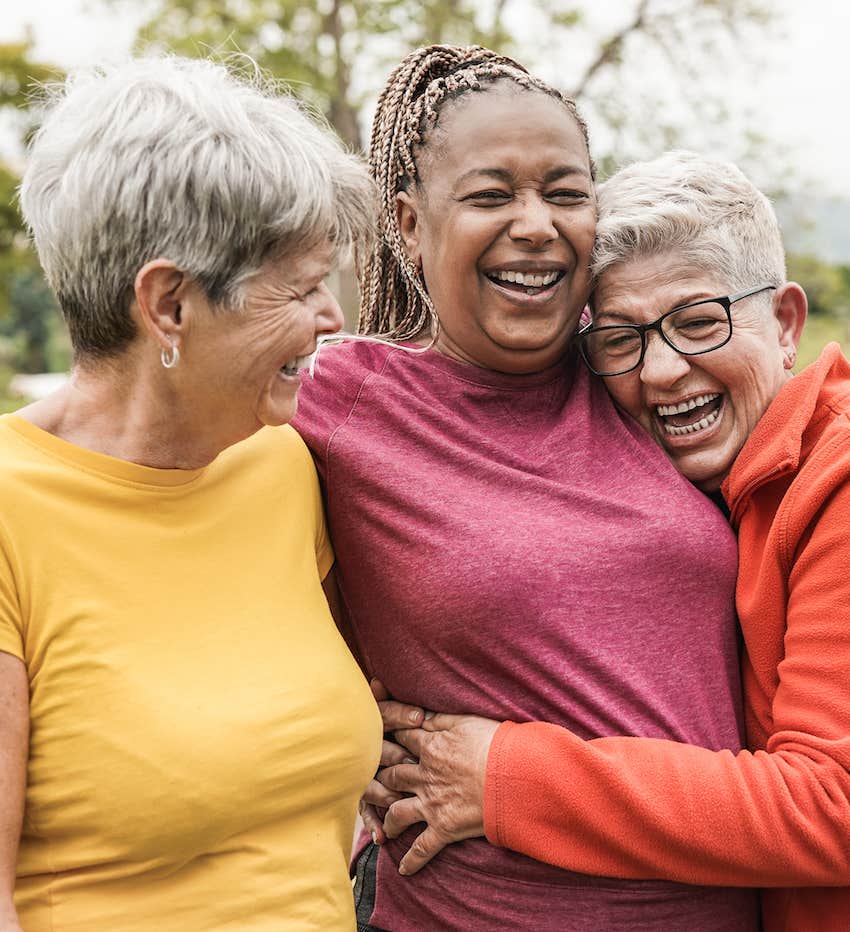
pixel 501 529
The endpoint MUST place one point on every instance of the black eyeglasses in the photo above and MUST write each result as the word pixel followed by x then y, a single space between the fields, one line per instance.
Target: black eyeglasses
pixel 691 330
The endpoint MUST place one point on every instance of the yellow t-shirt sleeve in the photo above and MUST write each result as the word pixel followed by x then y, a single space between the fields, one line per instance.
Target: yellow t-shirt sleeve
pixel 11 628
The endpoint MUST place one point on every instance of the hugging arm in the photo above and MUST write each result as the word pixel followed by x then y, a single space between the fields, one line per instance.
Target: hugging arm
pixel 648 808
pixel 641 808
pixel 14 739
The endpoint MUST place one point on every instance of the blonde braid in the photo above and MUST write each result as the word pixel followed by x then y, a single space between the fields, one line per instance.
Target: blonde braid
pixel 395 301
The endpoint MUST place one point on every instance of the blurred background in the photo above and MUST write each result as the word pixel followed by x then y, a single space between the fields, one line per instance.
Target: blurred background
pixel 753 81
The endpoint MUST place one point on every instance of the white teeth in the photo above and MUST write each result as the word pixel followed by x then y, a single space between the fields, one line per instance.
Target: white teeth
pixel 300 362
pixel 707 421
pixel 530 279
pixel 685 406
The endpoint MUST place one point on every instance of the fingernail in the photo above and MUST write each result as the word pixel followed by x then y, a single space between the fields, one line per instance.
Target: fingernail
pixel 410 760
pixel 429 715
pixel 374 838
pixel 402 869
pixel 414 717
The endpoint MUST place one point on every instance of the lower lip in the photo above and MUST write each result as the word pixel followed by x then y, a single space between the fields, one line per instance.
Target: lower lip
pixel 523 298
pixel 695 439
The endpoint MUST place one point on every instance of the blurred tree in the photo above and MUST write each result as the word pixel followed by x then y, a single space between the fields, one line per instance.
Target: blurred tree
pixel 336 52
pixel 20 73
pixel 31 310
pixel 28 318
pixel 827 286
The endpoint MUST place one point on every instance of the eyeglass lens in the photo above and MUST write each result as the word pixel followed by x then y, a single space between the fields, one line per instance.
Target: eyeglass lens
pixel 691 330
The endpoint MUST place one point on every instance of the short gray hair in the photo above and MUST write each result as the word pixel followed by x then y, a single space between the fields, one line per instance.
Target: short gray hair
pixel 184 160
pixel 704 210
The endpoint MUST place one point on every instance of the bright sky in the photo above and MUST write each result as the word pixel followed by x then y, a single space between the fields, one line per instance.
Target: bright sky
pixel 795 98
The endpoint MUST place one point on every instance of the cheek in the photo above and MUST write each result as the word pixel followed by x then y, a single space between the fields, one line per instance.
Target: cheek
pixel 625 390
pixel 582 234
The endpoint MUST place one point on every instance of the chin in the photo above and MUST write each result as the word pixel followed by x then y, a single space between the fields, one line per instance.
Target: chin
pixel 707 477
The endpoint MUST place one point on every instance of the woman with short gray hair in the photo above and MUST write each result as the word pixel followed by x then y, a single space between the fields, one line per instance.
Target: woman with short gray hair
pixel 173 748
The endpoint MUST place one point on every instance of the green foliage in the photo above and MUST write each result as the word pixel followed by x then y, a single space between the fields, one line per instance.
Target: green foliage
pixel 828 290
pixel 827 286
pixel 316 46
pixel 33 339
pixel 19 73
pixel 20 77
pixel 821 329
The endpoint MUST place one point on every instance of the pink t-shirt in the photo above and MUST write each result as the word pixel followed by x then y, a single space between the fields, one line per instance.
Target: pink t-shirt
pixel 515 547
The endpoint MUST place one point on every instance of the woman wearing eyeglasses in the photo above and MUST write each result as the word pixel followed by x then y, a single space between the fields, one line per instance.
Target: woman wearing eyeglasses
pixel 695 330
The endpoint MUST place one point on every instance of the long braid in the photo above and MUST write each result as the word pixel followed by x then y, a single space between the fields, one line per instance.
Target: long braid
pixel 395 301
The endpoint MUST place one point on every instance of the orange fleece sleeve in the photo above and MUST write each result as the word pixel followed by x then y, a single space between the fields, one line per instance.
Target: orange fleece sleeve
pixel 647 808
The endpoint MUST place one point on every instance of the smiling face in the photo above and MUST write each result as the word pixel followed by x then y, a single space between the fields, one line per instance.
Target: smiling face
pixel 502 224
pixel 248 359
pixel 699 409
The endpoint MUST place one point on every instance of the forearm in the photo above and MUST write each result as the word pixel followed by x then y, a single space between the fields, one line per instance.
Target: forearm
pixel 645 808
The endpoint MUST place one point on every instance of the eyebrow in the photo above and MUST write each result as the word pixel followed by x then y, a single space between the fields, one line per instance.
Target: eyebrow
pixel 684 302
pixel 502 174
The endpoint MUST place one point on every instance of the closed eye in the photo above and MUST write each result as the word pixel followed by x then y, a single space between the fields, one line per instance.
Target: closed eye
pixel 566 196
pixel 491 198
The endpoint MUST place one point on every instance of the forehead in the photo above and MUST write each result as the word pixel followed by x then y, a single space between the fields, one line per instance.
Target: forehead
pixel 505 126
pixel 647 286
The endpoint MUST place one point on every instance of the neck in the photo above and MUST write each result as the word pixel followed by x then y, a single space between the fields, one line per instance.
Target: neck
pixel 129 411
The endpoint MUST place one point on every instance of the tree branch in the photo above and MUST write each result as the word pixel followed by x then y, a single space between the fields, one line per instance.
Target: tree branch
pixel 610 49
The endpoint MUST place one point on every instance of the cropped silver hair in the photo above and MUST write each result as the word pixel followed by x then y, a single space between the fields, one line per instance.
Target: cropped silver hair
pixel 184 160
pixel 703 210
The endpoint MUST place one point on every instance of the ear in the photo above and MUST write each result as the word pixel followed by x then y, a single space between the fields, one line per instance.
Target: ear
pixel 160 288
pixel 790 307
pixel 407 210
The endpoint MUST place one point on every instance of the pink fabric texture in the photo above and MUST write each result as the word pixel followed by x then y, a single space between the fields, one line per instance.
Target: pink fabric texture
pixel 512 546
pixel 778 814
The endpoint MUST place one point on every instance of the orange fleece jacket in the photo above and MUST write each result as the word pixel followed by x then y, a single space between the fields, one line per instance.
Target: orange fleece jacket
pixel 776 815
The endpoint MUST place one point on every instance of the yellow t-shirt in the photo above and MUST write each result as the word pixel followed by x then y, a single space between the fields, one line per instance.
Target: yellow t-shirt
pixel 200 733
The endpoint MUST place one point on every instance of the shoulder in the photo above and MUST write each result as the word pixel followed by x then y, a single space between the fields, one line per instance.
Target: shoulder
pixel 326 399
pixel 819 493
pixel 19 455
pixel 277 450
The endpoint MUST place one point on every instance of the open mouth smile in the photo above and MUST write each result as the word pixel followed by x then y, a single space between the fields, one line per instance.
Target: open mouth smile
pixel 528 282
pixel 299 362
pixel 691 416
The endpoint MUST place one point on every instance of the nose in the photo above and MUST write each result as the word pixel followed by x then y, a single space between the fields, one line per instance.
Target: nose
pixel 329 317
pixel 534 221
pixel 662 366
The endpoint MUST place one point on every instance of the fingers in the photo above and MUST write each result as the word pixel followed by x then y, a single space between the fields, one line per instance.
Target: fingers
pixel 395 714
pixel 401 816
pixel 403 778
pixel 392 753
pixel 400 715
pixel 442 721
pixel 423 849
pixel 376 794
pixel 412 739
pixel 372 822
pixel 379 691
